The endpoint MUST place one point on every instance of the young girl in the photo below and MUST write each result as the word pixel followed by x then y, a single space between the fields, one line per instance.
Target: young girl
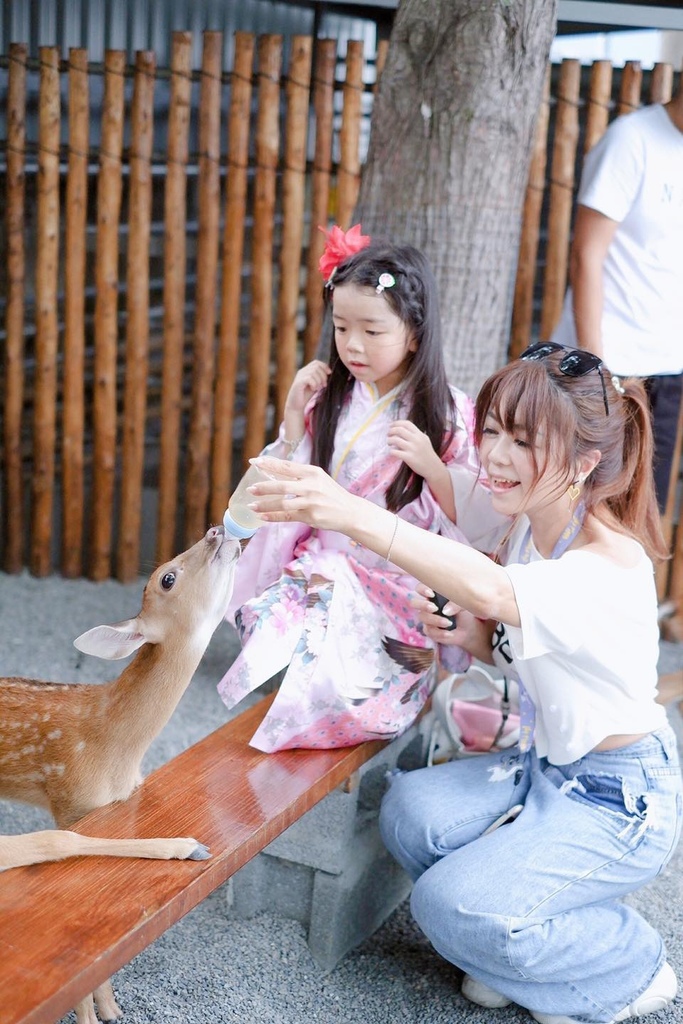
pixel 381 418
pixel 520 859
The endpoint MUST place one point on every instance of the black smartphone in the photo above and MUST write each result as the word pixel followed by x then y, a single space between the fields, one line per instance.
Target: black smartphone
pixel 440 601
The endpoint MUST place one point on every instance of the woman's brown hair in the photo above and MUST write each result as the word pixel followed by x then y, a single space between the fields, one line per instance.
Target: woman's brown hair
pixel 533 397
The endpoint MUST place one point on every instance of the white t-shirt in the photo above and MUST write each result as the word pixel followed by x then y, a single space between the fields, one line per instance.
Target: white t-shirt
pixel 587 647
pixel 634 175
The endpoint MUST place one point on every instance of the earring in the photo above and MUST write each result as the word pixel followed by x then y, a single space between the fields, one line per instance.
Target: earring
pixel 573 491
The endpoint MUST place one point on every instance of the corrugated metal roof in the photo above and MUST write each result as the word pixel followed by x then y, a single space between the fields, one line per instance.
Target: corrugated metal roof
pixel 132 25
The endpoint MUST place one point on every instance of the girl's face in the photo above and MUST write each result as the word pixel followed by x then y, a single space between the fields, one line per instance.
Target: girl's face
pixel 373 343
pixel 509 462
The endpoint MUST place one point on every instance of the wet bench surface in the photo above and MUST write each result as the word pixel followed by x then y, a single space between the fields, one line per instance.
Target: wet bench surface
pixel 66 927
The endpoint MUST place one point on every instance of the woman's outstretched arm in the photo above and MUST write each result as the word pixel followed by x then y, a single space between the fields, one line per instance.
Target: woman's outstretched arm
pixel 307 494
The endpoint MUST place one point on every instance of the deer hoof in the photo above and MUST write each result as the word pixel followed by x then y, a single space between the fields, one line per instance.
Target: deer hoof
pixel 200 852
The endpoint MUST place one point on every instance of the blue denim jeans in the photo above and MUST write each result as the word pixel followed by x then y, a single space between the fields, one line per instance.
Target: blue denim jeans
pixel 533 909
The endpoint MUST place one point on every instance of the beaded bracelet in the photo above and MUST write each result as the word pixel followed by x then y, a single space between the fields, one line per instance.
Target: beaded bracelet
pixel 393 538
pixel 293 445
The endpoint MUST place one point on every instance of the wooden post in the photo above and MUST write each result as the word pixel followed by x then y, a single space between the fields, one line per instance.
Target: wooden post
pixel 201 417
pixel 74 316
pixel 137 320
pixel 561 195
pixel 598 103
pixel 675 590
pixel 629 91
pixel 523 306
pixel 231 287
pixel 669 575
pixel 175 261
pixel 661 83
pixel 323 105
pixel 47 256
pixel 106 316
pixel 13 387
pixel 293 193
pixel 267 148
pixel 348 174
pixel 380 61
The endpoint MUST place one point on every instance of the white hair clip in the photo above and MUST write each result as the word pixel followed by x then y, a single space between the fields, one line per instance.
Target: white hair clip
pixel 385 281
pixel 618 386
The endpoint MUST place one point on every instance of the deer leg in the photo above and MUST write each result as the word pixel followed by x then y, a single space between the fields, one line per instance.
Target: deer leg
pixel 85 1012
pixel 105 1002
pixel 53 844
pixel 150 849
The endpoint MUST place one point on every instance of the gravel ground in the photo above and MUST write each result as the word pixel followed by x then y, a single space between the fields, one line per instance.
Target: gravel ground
pixel 211 967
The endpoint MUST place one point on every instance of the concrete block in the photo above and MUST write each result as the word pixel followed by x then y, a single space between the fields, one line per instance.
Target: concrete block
pixel 348 908
pixel 268 884
pixel 322 837
pixel 330 870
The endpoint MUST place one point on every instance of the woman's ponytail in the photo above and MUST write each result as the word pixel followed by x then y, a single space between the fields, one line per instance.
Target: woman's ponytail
pixel 636 506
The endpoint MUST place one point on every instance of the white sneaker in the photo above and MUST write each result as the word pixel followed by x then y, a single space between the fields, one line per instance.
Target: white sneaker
pixel 659 994
pixel 479 993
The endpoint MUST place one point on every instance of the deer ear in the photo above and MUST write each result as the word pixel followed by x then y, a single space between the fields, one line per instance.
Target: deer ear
pixel 111 642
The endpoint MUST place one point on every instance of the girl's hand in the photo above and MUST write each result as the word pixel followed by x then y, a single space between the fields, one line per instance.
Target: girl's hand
pixel 300 493
pixel 409 443
pixel 310 379
pixel 470 633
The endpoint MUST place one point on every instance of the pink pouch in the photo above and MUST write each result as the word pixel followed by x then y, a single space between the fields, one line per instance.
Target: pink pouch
pixel 479 725
pixel 469 716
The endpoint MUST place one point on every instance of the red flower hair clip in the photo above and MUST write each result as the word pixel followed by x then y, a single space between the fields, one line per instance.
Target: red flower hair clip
pixel 339 245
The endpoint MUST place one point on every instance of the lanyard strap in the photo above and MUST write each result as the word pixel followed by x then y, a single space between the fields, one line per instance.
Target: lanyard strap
pixel 527 708
pixel 571 530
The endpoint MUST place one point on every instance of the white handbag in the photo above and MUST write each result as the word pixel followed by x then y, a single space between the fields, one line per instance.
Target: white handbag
pixel 471 714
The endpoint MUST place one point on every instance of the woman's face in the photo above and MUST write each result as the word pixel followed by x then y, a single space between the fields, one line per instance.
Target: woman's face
pixel 373 343
pixel 510 461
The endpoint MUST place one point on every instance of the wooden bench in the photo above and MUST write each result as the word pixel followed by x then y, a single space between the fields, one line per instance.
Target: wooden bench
pixel 67 927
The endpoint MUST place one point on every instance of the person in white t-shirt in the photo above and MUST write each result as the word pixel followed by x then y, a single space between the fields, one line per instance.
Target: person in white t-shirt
pixel 520 856
pixel 625 302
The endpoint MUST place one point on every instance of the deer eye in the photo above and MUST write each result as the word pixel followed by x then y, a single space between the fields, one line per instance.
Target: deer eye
pixel 167 580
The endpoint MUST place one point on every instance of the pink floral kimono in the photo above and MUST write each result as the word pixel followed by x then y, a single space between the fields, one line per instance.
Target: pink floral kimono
pixel 335 615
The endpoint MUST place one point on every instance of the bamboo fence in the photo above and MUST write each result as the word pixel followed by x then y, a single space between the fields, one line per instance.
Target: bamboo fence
pixel 162 295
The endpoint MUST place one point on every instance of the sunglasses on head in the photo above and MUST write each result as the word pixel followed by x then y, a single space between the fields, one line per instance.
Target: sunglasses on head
pixel 577 362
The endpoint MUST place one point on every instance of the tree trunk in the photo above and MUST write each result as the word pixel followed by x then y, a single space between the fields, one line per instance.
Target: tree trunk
pixel 451 140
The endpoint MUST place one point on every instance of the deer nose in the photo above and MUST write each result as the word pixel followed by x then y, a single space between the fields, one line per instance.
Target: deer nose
pixel 217 534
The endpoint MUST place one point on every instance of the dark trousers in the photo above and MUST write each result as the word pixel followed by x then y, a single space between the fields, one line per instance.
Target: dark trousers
pixel 664 392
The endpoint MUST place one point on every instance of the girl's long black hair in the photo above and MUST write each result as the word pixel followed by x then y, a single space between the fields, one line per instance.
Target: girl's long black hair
pixel 414 300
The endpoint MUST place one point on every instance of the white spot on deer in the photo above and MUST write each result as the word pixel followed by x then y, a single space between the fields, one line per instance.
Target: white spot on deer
pixel 54 735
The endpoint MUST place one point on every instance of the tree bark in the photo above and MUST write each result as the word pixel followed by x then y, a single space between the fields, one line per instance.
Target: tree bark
pixel 450 145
